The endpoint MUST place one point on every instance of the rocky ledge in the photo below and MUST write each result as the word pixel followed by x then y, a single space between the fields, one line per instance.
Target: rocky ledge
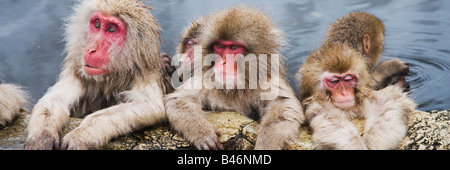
pixel 427 131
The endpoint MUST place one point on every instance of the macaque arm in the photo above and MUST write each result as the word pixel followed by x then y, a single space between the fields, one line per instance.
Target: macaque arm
pixel 387 118
pixel 284 113
pixel 144 108
pixel 389 72
pixel 51 113
pixel 385 130
pixel 332 130
pixel 187 117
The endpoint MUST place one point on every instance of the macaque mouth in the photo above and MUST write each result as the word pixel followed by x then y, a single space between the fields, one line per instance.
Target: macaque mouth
pixel 93 70
pixel 87 65
pixel 344 104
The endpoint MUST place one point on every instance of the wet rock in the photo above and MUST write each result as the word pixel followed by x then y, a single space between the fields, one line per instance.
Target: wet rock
pixel 230 124
pixel 426 131
pixel 13 136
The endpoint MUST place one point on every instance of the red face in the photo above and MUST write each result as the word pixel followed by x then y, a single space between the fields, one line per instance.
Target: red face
pixel 226 65
pixel 188 54
pixel 104 32
pixel 342 88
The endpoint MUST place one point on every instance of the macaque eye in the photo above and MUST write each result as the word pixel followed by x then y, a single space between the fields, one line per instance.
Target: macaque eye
pixel 348 78
pixel 334 80
pixel 219 45
pixel 189 42
pixel 111 29
pixel 97 24
pixel 234 47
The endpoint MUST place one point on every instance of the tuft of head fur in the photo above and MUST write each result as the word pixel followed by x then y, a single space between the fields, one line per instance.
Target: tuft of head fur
pixel 334 58
pixel 138 61
pixel 351 29
pixel 244 24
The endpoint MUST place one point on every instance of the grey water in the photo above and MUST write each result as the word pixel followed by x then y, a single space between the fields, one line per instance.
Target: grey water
pixel 417 31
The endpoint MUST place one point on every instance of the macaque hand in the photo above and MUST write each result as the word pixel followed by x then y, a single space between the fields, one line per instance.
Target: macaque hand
pixel 77 140
pixel 44 140
pixel 209 142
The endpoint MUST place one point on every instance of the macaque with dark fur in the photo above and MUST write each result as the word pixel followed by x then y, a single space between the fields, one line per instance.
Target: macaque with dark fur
pixel 226 36
pixel 365 33
pixel 112 76
pixel 335 88
pixel 12 101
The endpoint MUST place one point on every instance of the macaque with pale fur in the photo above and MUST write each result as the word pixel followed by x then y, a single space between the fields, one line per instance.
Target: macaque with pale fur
pixel 335 88
pixel 226 36
pixel 12 101
pixel 112 76
pixel 365 33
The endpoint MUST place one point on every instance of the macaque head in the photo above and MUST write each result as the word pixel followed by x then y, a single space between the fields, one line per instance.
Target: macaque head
pixel 235 33
pixel 188 40
pixel 105 32
pixel 361 31
pixel 335 73
pixel 112 39
pixel 188 55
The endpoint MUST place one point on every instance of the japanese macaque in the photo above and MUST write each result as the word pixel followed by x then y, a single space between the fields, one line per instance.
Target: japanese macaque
pixel 188 40
pixel 112 76
pixel 335 89
pixel 185 48
pixel 12 100
pixel 239 33
pixel 365 33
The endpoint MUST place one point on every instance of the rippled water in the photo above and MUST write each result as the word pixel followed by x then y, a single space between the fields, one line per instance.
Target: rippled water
pixel 417 31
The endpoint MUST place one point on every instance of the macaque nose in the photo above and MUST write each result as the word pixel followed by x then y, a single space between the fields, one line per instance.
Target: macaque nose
pixel 92 49
pixel 344 92
pixel 224 59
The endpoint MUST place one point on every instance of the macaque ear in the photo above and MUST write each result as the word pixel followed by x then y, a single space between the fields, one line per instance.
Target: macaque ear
pixel 366 44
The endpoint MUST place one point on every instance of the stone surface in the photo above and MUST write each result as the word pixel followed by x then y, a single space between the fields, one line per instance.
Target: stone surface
pixel 13 136
pixel 426 131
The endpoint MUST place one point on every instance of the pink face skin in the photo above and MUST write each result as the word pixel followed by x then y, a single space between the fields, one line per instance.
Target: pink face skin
pixel 342 88
pixel 227 65
pixel 188 54
pixel 104 31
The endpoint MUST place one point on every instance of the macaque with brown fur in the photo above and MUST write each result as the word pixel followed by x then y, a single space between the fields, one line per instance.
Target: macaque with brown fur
pixel 12 100
pixel 112 76
pixel 226 36
pixel 185 48
pixel 335 88
pixel 365 33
